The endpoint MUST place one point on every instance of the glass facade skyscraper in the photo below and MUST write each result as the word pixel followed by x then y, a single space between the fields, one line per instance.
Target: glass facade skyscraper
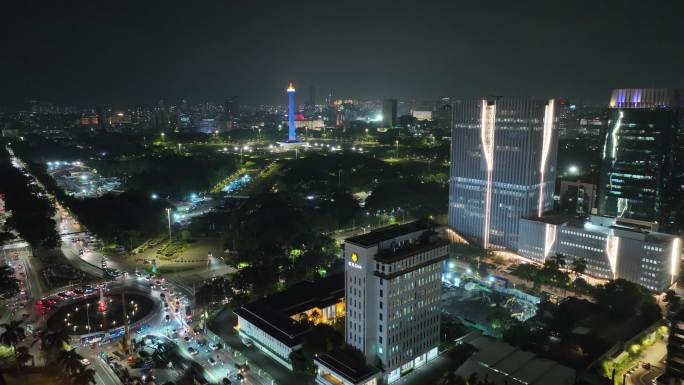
pixel 641 157
pixel 503 167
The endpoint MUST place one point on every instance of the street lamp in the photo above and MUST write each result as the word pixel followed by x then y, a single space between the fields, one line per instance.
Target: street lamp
pixel 162 135
pixel 179 148
pixel 396 144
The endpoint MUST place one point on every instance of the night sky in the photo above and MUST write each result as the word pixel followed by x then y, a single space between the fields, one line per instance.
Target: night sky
pixel 126 52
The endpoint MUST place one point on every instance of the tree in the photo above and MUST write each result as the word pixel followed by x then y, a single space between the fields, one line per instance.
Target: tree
pixel 451 378
pixel 579 265
pixel 320 339
pixel 9 285
pixel 12 336
pixel 85 376
pixel 69 362
pixel 52 343
pixel 561 260
pixel 622 298
pixel 673 300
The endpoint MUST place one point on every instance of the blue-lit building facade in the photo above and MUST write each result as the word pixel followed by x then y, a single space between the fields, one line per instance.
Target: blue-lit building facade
pixel 642 158
pixel 503 167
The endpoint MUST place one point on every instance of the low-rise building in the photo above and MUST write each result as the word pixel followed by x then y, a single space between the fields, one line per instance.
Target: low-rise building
pixel 502 364
pixel 274 324
pixel 612 247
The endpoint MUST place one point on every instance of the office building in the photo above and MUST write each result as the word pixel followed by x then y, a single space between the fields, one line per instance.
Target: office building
pixel 641 157
pixel 612 247
pixel 389 113
pixel 443 116
pixel 421 115
pixel 231 108
pixel 392 293
pixel 503 167
pixel 577 197
pixel 273 323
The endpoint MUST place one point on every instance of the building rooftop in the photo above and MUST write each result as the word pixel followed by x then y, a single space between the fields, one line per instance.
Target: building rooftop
pixel 502 364
pixel 389 232
pixel 351 366
pixel 272 314
pixel 422 245
pixel 605 225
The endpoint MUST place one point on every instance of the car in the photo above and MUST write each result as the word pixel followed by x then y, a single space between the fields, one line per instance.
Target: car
pixel 80 252
pixel 187 338
pixel 240 377
pixel 85 362
pixel 247 342
pixel 167 318
pixel 212 361
pixel 193 351
pixel 226 381
pixel 166 304
pixel 138 274
pixel 646 365
pixel 214 346
pixel 162 295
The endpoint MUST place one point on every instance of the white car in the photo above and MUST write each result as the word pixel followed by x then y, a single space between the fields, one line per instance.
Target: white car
pixel 85 362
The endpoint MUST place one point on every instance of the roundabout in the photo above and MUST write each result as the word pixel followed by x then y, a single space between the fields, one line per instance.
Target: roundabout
pixel 101 313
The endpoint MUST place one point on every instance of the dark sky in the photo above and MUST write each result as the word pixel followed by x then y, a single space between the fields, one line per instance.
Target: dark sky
pixel 119 52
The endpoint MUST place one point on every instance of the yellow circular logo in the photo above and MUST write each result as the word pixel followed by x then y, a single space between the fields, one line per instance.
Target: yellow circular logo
pixel 355 257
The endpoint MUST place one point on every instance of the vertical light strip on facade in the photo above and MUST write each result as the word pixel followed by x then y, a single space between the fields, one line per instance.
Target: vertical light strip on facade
pixel 546 147
pixel 614 144
pixel 675 257
pixel 487 120
pixel 549 239
pixel 612 246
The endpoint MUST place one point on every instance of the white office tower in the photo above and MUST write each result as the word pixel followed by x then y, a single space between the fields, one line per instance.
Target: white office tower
pixel 392 291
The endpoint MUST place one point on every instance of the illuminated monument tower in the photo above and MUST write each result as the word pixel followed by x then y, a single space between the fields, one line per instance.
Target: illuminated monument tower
pixel 290 115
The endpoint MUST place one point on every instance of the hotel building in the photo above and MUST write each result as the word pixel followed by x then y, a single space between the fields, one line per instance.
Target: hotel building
pixel 392 293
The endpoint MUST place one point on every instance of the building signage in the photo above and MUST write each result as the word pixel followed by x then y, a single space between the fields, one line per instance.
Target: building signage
pixel 354 259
